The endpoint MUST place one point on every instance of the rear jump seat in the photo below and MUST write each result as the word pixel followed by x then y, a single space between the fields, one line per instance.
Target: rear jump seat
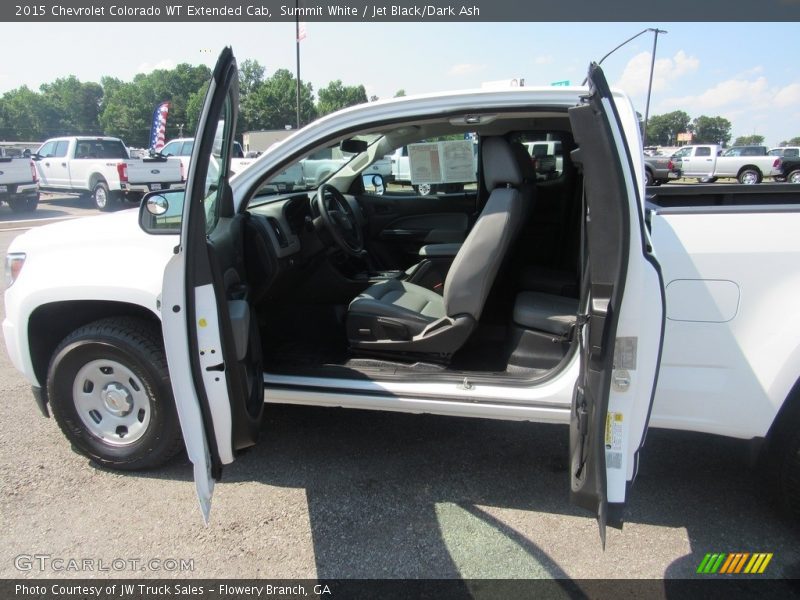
pixel 542 329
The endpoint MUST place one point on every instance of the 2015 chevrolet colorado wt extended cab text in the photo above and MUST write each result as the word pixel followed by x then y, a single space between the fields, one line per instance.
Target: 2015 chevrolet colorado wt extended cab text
pixel 564 300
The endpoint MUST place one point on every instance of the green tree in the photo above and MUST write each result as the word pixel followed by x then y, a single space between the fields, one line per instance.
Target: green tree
pixel 194 106
pixel 272 105
pixel 74 105
pixel 400 93
pixel 711 130
pixel 749 140
pixel 251 76
pixel 663 130
pixel 27 115
pixel 336 96
pixel 127 107
pixel 795 141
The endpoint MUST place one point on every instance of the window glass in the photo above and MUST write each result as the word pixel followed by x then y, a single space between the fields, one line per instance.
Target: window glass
pixel 61 149
pixel 187 148
pixel 217 167
pixel 47 149
pixel 703 151
pixel 171 149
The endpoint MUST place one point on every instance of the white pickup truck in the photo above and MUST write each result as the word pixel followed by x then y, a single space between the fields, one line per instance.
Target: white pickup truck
pixel 102 168
pixel 709 162
pixel 19 186
pixel 229 296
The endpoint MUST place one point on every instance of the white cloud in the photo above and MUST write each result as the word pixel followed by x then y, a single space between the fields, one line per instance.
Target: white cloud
pixel 788 96
pixel 543 59
pixel 636 75
pixel 465 69
pixel 165 63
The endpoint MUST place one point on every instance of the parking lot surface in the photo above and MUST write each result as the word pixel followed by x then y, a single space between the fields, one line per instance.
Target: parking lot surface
pixel 332 493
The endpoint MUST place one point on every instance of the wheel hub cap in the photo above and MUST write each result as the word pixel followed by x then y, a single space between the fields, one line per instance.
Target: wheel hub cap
pixel 117 399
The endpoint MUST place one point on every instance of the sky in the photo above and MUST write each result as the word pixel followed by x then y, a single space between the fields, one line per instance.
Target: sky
pixel 745 72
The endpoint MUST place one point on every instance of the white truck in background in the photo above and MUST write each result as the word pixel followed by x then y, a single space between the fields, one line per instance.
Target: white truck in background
pixel 181 148
pixel 19 187
pixel 102 168
pixel 708 162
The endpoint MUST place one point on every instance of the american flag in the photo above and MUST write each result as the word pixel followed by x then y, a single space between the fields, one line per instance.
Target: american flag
pixel 159 127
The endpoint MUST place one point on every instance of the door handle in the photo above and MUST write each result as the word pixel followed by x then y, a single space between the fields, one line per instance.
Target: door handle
pixel 63 164
pixel 46 164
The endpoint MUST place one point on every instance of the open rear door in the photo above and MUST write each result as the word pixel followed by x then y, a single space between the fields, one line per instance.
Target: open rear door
pixel 621 324
pixel 209 335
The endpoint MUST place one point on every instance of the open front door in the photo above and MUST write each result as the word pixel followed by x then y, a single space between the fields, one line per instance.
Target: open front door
pixel 210 340
pixel 622 310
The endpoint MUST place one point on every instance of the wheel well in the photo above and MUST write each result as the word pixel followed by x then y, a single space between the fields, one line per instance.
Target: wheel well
pixel 748 167
pixel 95 179
pixel 788 416
pixel 51 323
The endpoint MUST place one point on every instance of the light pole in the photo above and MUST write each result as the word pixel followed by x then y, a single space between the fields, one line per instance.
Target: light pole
pixel 656 31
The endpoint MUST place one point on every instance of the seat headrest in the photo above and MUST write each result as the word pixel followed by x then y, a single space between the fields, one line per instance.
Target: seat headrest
pixel 500 165
pixel 525 162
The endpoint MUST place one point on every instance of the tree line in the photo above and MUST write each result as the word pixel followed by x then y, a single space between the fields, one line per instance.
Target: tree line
pixel 663 130
pixel 124 109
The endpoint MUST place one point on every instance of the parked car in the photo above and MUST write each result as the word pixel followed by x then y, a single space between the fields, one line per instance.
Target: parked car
pixel 661 169
pixel 790 163
pixel 19 186
pixel 182 149
pixel 230 295
pixel 707 162
pixel 102 168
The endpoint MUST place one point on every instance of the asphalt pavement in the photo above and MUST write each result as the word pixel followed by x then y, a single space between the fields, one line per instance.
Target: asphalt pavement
pixel 335 493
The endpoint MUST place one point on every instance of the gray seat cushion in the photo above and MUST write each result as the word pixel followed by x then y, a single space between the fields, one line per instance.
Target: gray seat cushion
pixel 545 312
pixel 414 306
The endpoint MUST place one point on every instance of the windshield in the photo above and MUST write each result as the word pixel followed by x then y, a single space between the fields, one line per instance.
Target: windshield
pixel 314 169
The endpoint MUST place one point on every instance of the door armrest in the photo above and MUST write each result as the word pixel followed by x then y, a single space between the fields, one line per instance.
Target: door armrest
pixel 439 250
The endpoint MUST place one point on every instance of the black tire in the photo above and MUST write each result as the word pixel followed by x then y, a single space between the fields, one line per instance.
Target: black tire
pixel 125 343
pixel 21 204
pixel 101 197
pixel 749 176
pixel 794 176
pixel 782 464
pixel 648 177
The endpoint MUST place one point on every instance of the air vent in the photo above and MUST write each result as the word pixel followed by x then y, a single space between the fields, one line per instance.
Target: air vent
pixel 276 227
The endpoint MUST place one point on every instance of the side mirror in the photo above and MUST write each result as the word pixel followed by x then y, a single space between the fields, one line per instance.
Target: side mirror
pixel 161 212
pixel 35 156
pixel 373 184
pixel 353 146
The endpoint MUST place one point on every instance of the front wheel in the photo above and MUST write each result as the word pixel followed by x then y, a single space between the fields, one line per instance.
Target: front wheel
pixel 794 176
pixel 648 178
pixel 749 176
pixel 109 390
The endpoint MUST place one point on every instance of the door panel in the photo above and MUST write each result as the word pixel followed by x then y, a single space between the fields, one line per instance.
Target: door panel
pixel 399 225
pixel 621 323
pixel 207 317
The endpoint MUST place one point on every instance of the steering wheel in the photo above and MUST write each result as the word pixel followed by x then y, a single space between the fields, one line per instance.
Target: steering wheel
pixel 339 219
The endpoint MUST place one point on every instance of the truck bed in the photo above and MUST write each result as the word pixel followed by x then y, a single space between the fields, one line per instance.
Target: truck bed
pixel 730 258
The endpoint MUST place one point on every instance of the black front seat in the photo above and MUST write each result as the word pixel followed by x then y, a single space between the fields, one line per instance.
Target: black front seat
pixel 395 315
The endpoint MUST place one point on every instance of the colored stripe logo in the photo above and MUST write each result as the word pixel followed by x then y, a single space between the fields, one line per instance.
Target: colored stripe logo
pixel 729 563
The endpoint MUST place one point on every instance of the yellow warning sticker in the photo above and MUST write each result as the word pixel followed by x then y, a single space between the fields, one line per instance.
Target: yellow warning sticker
pixel 202 323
